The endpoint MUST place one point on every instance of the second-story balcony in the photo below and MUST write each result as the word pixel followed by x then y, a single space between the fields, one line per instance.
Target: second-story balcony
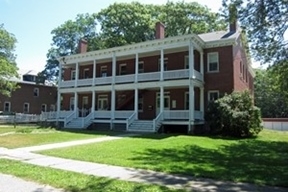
pixel 141 77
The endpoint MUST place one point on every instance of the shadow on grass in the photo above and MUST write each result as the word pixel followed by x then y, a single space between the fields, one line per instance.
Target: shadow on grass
pixel 248 160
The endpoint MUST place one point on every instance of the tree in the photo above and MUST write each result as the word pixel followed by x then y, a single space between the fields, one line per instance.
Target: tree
pixel 8 68
pixel 127 23
pixel 268 95
pixel 234 115
pixel 65 41
pixel 265 22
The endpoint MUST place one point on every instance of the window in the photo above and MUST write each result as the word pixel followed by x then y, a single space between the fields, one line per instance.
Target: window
pixel 213 63
pixel 187 101
pixel 165 64
pixel 36 92
pixel 73 75
pixel 186 62
pixel 26 108
pixel 241 69
pixel 141 67
pixel 72 103
pixel 7 106
pixel 103 102
pixel 140 102
pixel 44 107
pixel 103 71
pixel 86 74
pixel 123 69
pixel 213 95
pixel 52 107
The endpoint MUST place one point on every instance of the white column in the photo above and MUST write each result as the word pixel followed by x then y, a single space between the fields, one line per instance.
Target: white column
pixel 76 74
pixel 136 67
pixel 161 99
pixel 136 103
pixel 202 102
pixel 202 62
pixel 162 65
pixel 93 102
pixel 60 75
pixel 76 104
pixel 113 68
pixel 94 72
pixel 58 104
pixel 113 103
pixel 191 60
pixel 191 106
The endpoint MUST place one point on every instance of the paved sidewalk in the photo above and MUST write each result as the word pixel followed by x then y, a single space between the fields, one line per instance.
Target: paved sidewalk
pixel 10 183
pixel 128 174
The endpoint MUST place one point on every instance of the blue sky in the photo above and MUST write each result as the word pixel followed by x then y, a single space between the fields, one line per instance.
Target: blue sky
pixel 31 21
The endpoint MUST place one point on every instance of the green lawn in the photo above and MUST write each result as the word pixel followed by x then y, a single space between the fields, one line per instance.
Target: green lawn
pixel 29 136
pixel 7 129
pixel 71 181
pixel 262 160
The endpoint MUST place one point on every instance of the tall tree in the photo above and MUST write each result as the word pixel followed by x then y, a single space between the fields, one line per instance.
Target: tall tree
pixel 266 22
pixel 8 68
pixel 65 41
pixel 268 95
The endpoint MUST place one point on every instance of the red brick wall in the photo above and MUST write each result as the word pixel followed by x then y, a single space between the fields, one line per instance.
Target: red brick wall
pixel 25 94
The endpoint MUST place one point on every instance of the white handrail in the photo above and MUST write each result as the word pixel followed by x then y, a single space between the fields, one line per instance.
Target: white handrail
pixel 130 120
pixel 68 118
pixel 87 119
pixel 157 120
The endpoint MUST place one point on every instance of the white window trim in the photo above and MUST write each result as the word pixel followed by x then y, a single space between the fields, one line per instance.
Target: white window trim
pixel 212 91
pixel 71 102
pixel 9 106
pixel 140 63
pixel 186 62
pixel 28 107
pixel 45 107
pixel 73 71
pixel 120 68
pixel 101 70
pixel 84 70
pixel 208 66
pixel 102 97
pixel 36 88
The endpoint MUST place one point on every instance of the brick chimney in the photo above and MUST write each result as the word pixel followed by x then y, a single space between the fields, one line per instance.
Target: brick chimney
pixel 233 22
pixel 160 30
pixel 82 46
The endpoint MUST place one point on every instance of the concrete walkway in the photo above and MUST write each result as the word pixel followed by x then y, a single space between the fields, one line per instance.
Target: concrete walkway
pixel 127 174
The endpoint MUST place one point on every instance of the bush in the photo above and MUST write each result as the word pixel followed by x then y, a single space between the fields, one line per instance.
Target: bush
pixel 234 115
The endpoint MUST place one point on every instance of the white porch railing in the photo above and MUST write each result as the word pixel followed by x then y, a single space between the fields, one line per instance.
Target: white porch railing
pixel 123 114
pixel 130 120
pixel 69 118
pixel 84 82
pixel 69 83
pixel 149 76
pixel 198 75
pixel 181 114
pixel 103 80
pixel 125 78
pixel 102 114
pixel 176 74
pixel 157 121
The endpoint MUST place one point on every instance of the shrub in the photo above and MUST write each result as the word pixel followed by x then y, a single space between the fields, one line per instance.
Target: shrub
pixel 234 115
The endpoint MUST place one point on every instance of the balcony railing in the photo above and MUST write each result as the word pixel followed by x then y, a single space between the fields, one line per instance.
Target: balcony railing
pixel 181 114
pixel 142 77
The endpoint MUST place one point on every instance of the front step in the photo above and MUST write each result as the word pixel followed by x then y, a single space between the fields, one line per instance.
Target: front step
pixel 75 123
pixel 141 126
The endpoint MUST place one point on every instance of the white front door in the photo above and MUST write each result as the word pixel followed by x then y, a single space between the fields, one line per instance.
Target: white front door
pixel 85 109
pixel 71 103
pixel 102 102
pixel 166 102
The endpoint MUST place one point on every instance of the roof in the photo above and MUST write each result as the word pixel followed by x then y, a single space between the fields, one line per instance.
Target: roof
pixel 219 35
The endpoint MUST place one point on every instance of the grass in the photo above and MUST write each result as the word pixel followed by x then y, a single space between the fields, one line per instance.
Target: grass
pixel 262 160
pixel 29 136
pixel 71 181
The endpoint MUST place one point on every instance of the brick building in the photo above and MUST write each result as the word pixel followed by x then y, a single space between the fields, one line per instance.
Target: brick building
pixel 30 98
pixel 163 82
